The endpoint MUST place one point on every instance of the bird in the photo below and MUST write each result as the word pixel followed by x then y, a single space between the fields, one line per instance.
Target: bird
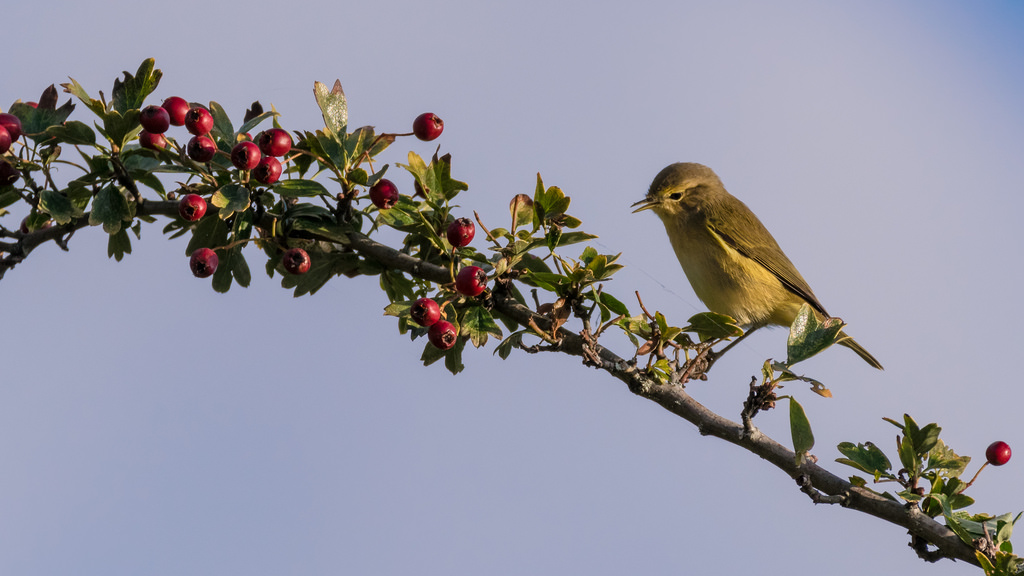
pixel 734 264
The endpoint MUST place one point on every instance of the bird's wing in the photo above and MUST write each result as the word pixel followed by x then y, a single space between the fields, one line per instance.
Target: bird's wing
pixel 743 232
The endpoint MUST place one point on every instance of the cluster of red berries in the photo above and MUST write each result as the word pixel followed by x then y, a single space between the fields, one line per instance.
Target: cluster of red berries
pixel 470 281
pixel 260 157
pixel 10 131
pixel 426 127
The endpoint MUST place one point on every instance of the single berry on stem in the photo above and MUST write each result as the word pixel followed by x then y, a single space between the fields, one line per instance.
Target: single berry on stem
pixel 155 119
pixel 176 109
pixel 245 155
pixel 201 149
pixel 460 232
pixel 471 281
pixel 274 142
pixel 296 261
pixel 203 262
pixel 151 141
pixel 12 124
pixel 192 207
pixel 427 126
pixel 267 171
pixel 442 334
pixel 384 194
pixel 198 121
pixel 998 453
pixel 425 312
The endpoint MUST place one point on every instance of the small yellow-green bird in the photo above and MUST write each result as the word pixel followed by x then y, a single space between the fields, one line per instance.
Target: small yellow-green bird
pixel 733 263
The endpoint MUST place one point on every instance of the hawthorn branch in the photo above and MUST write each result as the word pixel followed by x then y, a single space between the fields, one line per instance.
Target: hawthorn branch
pixel 820 484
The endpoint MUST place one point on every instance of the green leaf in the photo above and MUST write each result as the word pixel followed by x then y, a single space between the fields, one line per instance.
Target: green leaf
pixel 222 128
pixel 76 90
pixel 110 208
pixel 230 199
pixel 711 326
pixel 946 462
pixel 72 132
pixel 399 309
pixel 255 121
pixel 800 427
pixel 514 340
pixel 477 323
pixel 808 335
pixel 299 188
pixel 58 205
pixel 208 233
pixel 333 106
pixel 865 457
pixel 131 93
pixel 120 128
pixel 119 244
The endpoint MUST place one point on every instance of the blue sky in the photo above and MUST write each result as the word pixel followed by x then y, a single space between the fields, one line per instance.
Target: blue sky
pixel 149 425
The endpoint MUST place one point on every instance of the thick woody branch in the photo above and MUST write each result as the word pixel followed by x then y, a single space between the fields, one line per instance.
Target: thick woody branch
pixel 820 484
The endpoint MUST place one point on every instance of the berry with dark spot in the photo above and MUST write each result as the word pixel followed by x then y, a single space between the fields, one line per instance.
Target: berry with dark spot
pixel 460 232
pixel 425 312
pixel 471 281
pixel 427 126
pixel 192 207
pixel 267 171
pixel 245 155
pixel 201 149
pixel 203 262
pixel 198 121
pixel 296 261
pixel 442 334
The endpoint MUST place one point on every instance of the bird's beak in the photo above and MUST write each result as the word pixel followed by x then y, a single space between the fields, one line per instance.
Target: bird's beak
pixel 645 204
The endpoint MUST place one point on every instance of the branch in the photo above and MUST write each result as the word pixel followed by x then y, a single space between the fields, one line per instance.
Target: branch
pixel 820 484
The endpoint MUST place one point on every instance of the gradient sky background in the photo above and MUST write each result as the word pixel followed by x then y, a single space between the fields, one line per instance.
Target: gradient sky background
pixel 151 426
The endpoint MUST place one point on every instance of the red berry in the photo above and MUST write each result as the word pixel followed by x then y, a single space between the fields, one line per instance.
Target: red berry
pixel 192 207
pixel 176 109
pixel 427 126
pixel 461 232
pixel 152 141
pixel 267 171
pixel 425 312
pixel 274 142
pixel 8 174
pixel 203 263
pixel 5 140
pixel 442 334
pixel 198 121
pixel 201 149
pixel 12 124
pixel 296 261
pixel 471 281
pixel 384 194
pixel 155 119
pixel 998 453
pixel 245 155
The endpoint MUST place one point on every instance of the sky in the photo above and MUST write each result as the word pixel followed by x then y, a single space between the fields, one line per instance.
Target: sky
pixel 149 425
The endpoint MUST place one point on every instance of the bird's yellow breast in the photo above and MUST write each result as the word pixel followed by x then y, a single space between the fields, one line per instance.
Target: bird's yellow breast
pixel 725 280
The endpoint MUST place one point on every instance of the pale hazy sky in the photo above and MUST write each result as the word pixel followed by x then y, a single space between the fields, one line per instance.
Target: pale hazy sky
pixel 151 426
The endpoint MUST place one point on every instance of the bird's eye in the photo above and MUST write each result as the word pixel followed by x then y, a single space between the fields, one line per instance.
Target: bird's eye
pixel 675 196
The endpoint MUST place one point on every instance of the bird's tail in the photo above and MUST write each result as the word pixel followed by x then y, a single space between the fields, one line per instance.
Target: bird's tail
pixel 853 345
